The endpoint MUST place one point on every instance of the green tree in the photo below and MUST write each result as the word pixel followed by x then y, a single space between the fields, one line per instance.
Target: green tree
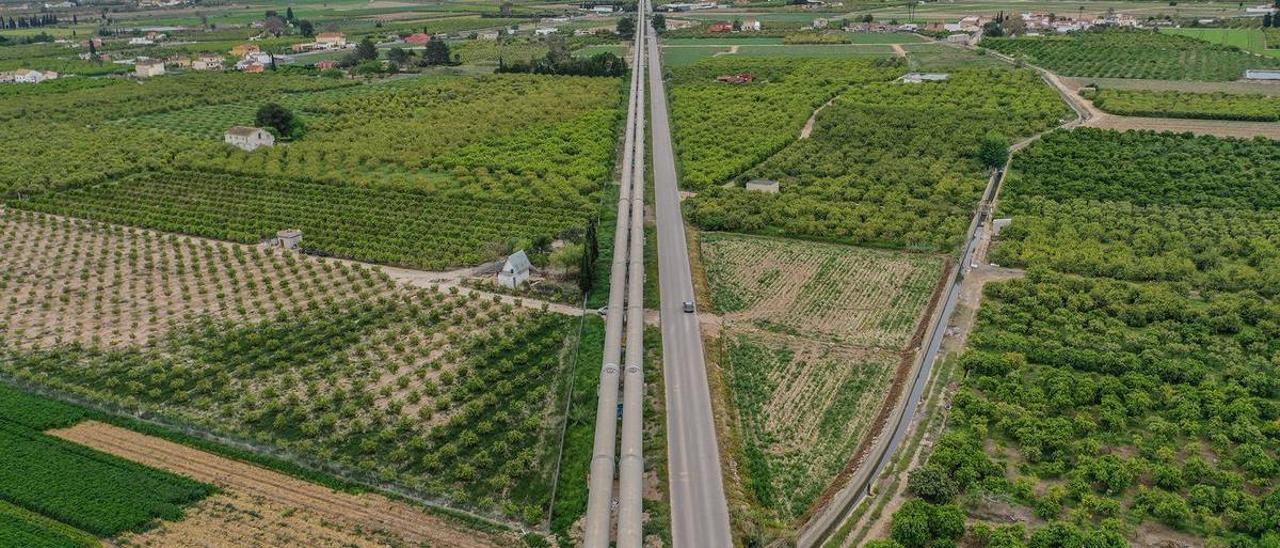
pixel 933 484
pixel 399 56
pixel 627 26
pixel 366 50
pixel 279 119
pixel 910 524
pixel 437 53
pixel 306 28
pixel 993 149
pixel 659 22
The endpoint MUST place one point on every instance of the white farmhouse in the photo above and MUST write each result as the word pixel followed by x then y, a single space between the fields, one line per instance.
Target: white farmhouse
pixel 147 69
pixel 140 41
pixel 515 271
pixel 208 62
pixel 331 40
pixel 248 138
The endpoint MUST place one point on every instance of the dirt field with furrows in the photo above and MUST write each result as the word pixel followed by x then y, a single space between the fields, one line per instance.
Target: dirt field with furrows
pixel 260 507
pixel 857 296
pixel 67 280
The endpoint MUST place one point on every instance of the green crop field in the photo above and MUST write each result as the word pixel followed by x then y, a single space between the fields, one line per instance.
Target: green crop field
pixel 832 186
pixel 1177 104
pixel 870 51
pixel 1133 54
pixel 1251 40
pixel 1138 301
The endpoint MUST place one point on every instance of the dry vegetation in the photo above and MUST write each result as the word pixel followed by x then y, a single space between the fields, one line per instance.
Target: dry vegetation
pixel 850 295
pixel 264 508
pixel 813 334
pixel 71 281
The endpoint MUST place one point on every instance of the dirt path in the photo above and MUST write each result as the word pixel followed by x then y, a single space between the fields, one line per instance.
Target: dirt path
pixel 813 118
pixel 359 512
pixel 733 50
pixel 898 50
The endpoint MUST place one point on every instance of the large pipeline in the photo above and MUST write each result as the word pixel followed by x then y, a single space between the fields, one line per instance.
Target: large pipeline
pixel 600 494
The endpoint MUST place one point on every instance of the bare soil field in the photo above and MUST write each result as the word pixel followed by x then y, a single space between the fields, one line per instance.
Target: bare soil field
pixel 262 507
pixel 67 280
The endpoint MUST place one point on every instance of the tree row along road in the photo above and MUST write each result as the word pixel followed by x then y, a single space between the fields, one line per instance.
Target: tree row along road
pixel 699 510
pixel 626 286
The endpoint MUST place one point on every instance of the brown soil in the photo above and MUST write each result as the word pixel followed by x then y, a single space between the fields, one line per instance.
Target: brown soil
pixel 249 487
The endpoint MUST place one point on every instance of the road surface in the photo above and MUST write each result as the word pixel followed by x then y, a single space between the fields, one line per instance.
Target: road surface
pixel 699 511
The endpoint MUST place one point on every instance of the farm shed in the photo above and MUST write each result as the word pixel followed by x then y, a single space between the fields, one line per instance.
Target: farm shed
pixel 248 138
pixel 1262 75
pixel 763 185
pixel 515 271
pixel 289 238
pixel 920 77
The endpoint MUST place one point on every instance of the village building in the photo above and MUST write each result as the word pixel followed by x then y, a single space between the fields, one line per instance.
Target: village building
pixel 207 61
pixel 821 23
pixel 488 35
pixel 603 9
pixel 720 27
pixel 29 76
pixel 148 69
pixel 750 24
pixel 515 271
pixel 960 39
pixel 180 61
pixel 327 64
pixel 140 41
pixel 545 31
pixel 767 186
pixel 244 49
pixel 248 138
pixel 331 40
pixel 251 67
pixel 418 39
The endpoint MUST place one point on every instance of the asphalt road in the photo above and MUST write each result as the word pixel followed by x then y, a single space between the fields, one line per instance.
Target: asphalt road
pixel 699 511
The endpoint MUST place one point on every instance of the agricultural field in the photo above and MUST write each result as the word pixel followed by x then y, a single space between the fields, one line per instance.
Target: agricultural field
pixel 839 294
pixel 1174 104
pixel 839 51
pixel 1118 393
pixel 1251 40
pixel 489 52
pixel 1132 54
pixel 835 185
pixel 446 395
pixel 722 129
pixel 813 334
pixel 53 492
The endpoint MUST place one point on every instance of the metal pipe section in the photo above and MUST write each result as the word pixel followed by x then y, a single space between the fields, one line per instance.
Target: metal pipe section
pixel 600 494
pixel 631 465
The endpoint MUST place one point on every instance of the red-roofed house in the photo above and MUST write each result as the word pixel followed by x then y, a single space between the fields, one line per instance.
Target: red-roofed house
pixel 721 27
pixel 326 64
pixel 418 39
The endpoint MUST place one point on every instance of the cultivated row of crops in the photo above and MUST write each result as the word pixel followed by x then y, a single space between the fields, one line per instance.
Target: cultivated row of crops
pixel 1133 54
pixel 1180 104
pixel 1129 378
pixel 382 225
pixel 888 163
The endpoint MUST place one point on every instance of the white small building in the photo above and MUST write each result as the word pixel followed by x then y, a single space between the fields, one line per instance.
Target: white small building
pixel 921 77
pixel 959 38
pixel 768 186
pixel 605 9
pixel 488 35
pixel 545 31
pixel 821 23
pixel 750 24
pixel 28 76
pixel 147 69
pixel 248 138
pixel 140 41
pixel 515 271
